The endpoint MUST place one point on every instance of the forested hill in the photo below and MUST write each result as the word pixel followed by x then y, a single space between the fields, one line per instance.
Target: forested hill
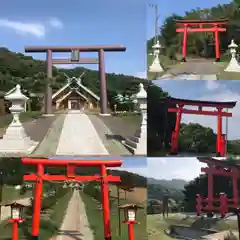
pixel 201 44
pixel 173 183
pixel 16 68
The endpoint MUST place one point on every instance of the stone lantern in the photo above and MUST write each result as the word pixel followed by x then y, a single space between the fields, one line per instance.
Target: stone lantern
pixel 138 143
pixel 156 66
pixel 233 65
pixel 141 97
pixel 15 139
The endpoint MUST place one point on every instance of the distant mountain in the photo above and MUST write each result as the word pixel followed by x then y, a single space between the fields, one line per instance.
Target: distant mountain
pixel 173 183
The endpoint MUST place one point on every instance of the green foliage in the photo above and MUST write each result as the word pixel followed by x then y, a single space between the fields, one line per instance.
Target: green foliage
pixel 201 44
pixel 16 68
pixel 196 138
pixel 160 122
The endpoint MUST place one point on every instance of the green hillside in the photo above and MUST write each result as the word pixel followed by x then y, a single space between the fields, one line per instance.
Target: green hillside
pixel 200 44
pixel 16 68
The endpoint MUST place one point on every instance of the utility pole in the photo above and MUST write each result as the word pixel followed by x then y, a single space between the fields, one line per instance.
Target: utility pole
pixel 155 6
pixel 226 135
pixel 1 191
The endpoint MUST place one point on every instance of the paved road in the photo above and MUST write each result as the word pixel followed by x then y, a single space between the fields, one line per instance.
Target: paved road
pixel 193 69
pixel 188 77
pixel 75 224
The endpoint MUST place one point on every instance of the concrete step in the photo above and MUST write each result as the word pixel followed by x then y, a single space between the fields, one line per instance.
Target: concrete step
pixel 130 146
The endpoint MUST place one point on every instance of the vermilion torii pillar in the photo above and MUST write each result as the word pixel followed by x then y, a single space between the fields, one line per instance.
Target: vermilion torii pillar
pixel 75 59
pixel 220 168
pixel 71 166
pixel 219 112
pixel 192 26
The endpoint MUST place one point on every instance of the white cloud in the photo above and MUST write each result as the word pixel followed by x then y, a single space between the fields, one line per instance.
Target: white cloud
pixel 212 85
pixel 56 23
pixel 173 168
pixel 24 28
pixel 222 94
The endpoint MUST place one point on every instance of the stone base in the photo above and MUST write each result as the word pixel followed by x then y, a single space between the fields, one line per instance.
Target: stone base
pixel 155 68
pixel 233 66
pixel 23 146
pixel 15 140
pixel 48 115
pixel 104 114
pixel 137 144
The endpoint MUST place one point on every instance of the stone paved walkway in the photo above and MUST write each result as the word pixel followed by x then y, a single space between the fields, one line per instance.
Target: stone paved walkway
pixel 189 77
pixel 79 137
pixel 76 133
pixel 75 224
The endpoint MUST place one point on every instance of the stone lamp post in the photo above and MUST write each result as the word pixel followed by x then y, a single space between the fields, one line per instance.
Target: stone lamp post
pixel 15 139
pixel 156 66
pixel 138 143
pixel 233 65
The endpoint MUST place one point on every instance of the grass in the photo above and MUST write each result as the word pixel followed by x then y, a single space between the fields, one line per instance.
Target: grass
pixel 95 219
pixel 10 193
pixel 25 116
pixel 156 225
pixel 166 64
pixel 50 223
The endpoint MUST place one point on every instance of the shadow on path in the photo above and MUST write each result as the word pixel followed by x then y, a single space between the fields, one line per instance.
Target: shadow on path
pixel 71 234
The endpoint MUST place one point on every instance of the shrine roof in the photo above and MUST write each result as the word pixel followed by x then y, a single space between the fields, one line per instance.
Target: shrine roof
pixel 106 48
pixel 221 20
pixel 201 103
pixel 223 163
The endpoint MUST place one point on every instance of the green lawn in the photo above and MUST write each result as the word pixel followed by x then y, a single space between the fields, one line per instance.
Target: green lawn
pixel 10 193
pixel 50 222
pixel 166 64
pixel 96 221
pixel 156 225
pixel 25 116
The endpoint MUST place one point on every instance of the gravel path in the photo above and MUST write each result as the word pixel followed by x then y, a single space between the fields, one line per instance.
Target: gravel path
pixel 111 141
pixel 75 224
pixel 49 144
pixel 79 137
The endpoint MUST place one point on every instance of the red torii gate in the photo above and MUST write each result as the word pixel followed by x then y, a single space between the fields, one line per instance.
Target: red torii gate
pixel 179 110
pixel 220 168
pixel 190 26
pixel 71 166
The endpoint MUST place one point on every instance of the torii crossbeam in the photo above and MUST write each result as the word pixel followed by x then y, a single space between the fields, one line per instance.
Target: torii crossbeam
pixel 75 59
pixel 186 26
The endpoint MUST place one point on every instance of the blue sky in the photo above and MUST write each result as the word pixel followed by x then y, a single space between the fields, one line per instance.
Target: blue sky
pixel 75 22
pixel 210 91
pixel 129 163
pixel 167 8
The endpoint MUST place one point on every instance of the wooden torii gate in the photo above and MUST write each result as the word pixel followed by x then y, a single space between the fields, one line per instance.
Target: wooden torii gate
pixel 71 175
pixel 186 26
pixel 75 59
